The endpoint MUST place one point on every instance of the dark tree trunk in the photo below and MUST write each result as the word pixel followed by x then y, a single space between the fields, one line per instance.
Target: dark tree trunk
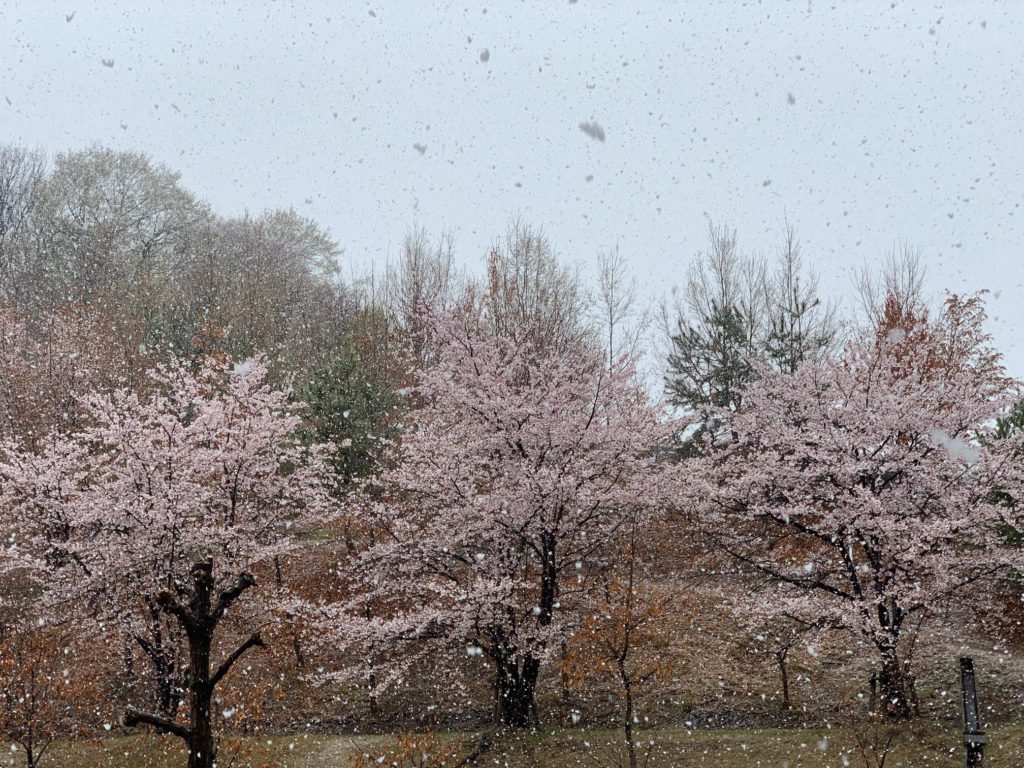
pixel 165 699
pixel 199 614
pixel 627 726
pixel 517 673
pixel 892 684
pixel 161 656
pixel 911 685
pixel 892 680
pixel 200 637
pixel 780 657
pixel 563 677
pixel 371 678
pixel 516 685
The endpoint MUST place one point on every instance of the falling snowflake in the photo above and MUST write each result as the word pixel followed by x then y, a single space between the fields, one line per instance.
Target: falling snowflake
pixel 593 130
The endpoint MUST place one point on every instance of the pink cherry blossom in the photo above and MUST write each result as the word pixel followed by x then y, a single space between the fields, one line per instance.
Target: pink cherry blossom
pixel 862 488
pixel 512 478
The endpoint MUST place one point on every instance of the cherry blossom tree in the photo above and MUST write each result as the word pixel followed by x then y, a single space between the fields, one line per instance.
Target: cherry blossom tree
pixel 151 518
pixel 863 487
pixel 512 478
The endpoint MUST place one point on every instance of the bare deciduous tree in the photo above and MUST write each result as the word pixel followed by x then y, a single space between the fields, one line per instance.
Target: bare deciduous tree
pixel 270 283
pixel 22 172
pixel 800 324
pixel 424 277
pixel 527 287
pixel 716 325
pixel 736 310
pixel 616 306
pixel 111 225
pixel 901 280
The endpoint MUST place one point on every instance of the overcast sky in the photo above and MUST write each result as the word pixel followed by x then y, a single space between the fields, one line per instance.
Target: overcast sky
pixel 865 124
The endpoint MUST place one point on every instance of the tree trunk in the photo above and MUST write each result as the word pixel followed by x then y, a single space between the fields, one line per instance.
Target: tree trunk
pixel 627 726
pixel 165 699
pixel 199 616
pixel 371 679
pixel 784 674
pixel 516 684
pixel 911 685
pixel 200 740
pixel 892 683
pixel 161 656
pixel 563 677
pixel 515 689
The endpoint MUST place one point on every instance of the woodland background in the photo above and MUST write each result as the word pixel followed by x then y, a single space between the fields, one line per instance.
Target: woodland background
pixel 382 468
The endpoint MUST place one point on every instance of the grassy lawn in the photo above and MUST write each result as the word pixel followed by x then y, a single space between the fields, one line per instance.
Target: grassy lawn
pixel 921 745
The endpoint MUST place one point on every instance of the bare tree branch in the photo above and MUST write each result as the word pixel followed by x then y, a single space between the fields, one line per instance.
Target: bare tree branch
pixel 254 641
pixel 133 717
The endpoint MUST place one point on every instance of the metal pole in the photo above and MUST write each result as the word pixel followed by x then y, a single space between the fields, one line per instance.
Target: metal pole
pixel 974 737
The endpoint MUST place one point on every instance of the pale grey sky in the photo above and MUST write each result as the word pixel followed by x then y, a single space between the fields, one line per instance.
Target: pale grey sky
pixel 864 123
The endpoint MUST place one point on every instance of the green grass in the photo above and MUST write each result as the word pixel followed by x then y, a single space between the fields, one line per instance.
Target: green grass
pixel 917 746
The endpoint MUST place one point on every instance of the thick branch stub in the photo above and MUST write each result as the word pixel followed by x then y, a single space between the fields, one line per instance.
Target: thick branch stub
pixel 232 593
pixel 133 717
pixel 169 603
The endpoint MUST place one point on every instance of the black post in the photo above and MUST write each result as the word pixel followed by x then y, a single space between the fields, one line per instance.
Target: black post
pixel 974 737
